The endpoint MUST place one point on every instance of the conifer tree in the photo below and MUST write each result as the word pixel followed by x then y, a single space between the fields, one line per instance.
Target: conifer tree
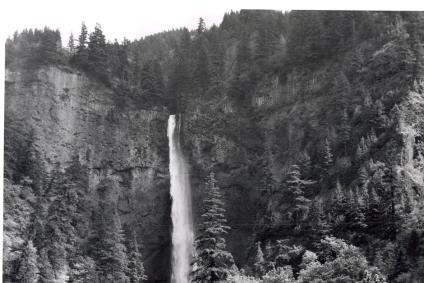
pixel 46 271
pixel 136 271
pixel 71 44
pixel 28 270
pixel 107 247
pixel 259 261
pixel 81 55
pixel 202 65
pixel 362 149
pixel 83 38
pixel 83 269
pixel 296 187
pixel 97 53
pixel 49 53
pixel 212 262
pixel 179 82
pixel 326 158
pixel 216 50
pixel 241 81
pixel 201 27
pixel 345 131
pixel 158 75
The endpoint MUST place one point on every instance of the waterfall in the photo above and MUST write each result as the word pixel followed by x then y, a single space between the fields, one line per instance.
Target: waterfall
pixel 182 233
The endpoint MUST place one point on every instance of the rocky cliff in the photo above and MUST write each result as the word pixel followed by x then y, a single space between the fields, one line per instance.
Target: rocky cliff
pixel 122 147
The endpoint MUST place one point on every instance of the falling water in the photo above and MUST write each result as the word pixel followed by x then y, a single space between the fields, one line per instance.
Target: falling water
pixel 182 234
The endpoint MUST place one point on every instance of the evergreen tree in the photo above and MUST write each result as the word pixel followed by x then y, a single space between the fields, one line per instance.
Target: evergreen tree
pixel 136 271
pixel 217 64
pixel 46 271
pixel 242 80
pixel 296 187
pixel 201 27
pixel 107 247
pixel 81 55
pixel 361 150
pixel 303 46
pixel 179 82
pixel 49 49
pixel 345 131
pixel 71 44
pixel 326 158
pixel 83 269
pixel 267 39
pixel 83 38
pixel 28 270
pixel 97 53
pixel 158 75
pixel 259 261
pixel 202 65
pixel 212 263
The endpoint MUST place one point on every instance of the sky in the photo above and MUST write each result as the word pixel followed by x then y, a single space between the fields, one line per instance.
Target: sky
pixel 133 19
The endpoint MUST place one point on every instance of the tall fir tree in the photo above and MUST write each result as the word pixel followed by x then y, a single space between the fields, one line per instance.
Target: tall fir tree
pixel 296 188
pixel 326 158
pixel 107 247
pixel 28 270
pixel 49 46
pixel 345 131
pixel 97 57
pixel 212 262
pixel 81 54
pixel 71 44
pixel 136 272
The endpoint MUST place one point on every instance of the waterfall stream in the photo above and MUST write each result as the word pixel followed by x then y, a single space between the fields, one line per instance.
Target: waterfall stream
pixel 182 233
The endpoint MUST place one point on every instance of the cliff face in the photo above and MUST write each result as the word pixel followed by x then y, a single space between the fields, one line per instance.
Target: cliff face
pixel 251 149
pixel 122 148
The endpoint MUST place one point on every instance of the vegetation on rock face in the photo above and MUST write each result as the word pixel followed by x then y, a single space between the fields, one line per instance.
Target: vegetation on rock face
pixel 311 120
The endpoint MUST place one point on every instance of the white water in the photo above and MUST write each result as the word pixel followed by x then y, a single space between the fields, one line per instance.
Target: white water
pixel 182 233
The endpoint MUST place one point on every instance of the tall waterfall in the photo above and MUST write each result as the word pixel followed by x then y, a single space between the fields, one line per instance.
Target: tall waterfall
pixel 182 233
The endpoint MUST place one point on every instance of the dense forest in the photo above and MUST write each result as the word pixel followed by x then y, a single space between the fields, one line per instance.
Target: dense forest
pixel 304 132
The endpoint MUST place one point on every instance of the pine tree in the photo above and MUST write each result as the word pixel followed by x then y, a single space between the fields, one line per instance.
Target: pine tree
pixel 341 90
pixel 179 83
pixel 49 53
pixel 71 44
pixel 83 38
pixel 345 131
pixel 107 247
pixel 28 270
pixel 201 27
pixel 305 165
pixel 46 271
pixel 81 55
pixel 259 261
pixel 202 65
pixel 296 187
pixel 212 263
pixel 267 39
pixel 83 269
pixel 241 81
pixel 326 158
pixel 158 75
pixel 361 150
pixel 217 66
pixel 147 80
pixel 136 272
pixel 97 53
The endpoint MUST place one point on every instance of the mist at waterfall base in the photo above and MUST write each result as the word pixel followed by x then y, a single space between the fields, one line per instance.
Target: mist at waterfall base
pixel 182 233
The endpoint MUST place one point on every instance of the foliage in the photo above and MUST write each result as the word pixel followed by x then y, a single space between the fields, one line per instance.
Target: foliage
pixel 212 263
